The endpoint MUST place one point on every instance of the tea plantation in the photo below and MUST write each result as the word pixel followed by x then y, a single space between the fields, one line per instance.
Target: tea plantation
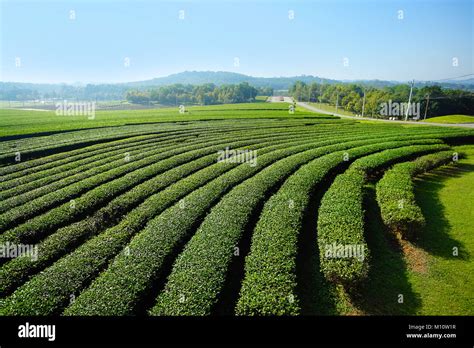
pixel 134 213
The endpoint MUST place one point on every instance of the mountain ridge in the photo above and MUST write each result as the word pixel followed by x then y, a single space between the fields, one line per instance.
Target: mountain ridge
pixel 195 77
pixel 114 91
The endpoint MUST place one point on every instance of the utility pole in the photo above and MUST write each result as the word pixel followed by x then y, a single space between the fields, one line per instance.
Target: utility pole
pixel 409 100
pixel 337 100
pixel 321 93
pixel 363 105
pixel 426 108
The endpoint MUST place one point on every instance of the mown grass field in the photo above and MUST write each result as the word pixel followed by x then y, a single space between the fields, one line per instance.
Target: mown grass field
pixel 136 213
pixel 452 119
pixel 16 121
pixel 446 197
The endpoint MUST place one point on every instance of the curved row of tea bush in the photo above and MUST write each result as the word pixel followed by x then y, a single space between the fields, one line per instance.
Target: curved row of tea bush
pixel 97 300
pixel 136 172
pixel 118 170
pixel 107 160
pixel 50 291
pixel 221 184
pixel 343 251
pixel 102 161
pixel 113 282
pixel 46 162
pixel 41 145
pixel 147 215
pixel 157 243
pixel 27 192
pixel 42 177
pixel 396 197
pixel 32 169
pixel 269 285
pixel 65 239
pixel 60 194
pixel 210 250
pixel 77 140
pixel 60 162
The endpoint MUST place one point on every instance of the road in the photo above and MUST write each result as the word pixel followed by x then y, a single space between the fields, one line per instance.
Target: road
pixel 278 99
pixel 315 109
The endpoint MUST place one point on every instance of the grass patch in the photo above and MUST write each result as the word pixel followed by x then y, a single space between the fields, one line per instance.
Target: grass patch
pixel 446 199
pixel 17 121
pixel 452 119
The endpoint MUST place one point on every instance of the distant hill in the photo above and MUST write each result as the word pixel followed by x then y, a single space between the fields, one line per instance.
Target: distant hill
pixel 28 91
pixel 462 82
pixel 224 77
pixel 278 83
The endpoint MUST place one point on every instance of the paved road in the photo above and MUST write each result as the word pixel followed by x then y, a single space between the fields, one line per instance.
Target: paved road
pixel 279 99
pixel 315 109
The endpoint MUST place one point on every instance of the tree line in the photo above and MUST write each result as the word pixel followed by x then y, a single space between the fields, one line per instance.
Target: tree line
pixel 29 91
pixel 434 100
pixel 206 94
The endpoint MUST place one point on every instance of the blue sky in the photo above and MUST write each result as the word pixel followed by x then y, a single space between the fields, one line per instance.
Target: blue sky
pixel 93 47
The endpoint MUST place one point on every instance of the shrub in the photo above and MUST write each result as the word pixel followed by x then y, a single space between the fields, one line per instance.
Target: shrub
pixel 396 197
pixel 50 291
pixel 269 285
pixel 341 215
pixel 65 239
pixel 200 271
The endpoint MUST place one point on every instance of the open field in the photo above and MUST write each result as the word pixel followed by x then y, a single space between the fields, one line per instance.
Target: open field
pixel 15 122
pixel 452 119
pixel 240 209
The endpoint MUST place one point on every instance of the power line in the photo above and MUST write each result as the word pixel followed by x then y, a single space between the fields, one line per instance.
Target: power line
pixel 452 78
pixel 453 97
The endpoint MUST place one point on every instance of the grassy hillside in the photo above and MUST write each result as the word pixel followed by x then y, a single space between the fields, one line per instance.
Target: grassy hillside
pixel 452 119
pixel 446 197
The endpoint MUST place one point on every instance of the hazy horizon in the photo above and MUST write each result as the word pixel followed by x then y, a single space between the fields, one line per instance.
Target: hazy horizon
pixel 459 78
